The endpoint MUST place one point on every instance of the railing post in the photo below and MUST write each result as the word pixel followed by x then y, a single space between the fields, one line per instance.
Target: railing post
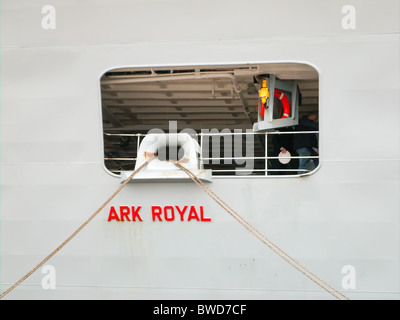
pixel 266 153
pixel 201 149
pixel 138 144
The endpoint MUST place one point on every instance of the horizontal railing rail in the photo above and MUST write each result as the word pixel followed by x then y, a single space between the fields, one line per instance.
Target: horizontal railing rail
pixel 210 161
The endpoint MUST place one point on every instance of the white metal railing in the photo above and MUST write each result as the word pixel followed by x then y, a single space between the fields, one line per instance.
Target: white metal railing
pixel 265 170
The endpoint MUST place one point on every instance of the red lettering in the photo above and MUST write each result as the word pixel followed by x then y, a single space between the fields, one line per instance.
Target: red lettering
pixel 135 213
pixel 181 212
pixel 154 213
pixel 113 214
pixel 202 215
pixel 157 211
pixel 172 213
pixel 124 212
pixel 193 214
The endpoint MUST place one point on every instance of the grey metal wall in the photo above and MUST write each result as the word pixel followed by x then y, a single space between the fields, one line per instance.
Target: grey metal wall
pixel 52 173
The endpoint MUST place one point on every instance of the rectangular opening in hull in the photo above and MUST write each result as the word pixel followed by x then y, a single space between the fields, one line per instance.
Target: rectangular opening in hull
pixel 219 106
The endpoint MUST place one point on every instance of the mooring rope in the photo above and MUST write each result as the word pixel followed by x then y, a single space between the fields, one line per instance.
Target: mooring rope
pixel 262 237
pixel 26 276
pixel 221 203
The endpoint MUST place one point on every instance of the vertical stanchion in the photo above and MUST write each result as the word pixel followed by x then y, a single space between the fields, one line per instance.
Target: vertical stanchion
pixel 266 153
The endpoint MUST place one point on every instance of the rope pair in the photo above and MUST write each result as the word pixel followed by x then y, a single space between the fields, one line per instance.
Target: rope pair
pixel 220 202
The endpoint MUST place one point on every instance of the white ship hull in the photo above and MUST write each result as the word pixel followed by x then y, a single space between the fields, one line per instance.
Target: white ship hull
pixel 52 164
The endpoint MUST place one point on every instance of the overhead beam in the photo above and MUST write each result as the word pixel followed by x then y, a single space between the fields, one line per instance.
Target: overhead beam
pixel 111 117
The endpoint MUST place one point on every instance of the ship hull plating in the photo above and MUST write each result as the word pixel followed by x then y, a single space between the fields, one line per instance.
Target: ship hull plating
pixel 53 175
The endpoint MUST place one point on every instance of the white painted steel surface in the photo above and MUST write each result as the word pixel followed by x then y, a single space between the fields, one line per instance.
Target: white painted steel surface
pixel 52 166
